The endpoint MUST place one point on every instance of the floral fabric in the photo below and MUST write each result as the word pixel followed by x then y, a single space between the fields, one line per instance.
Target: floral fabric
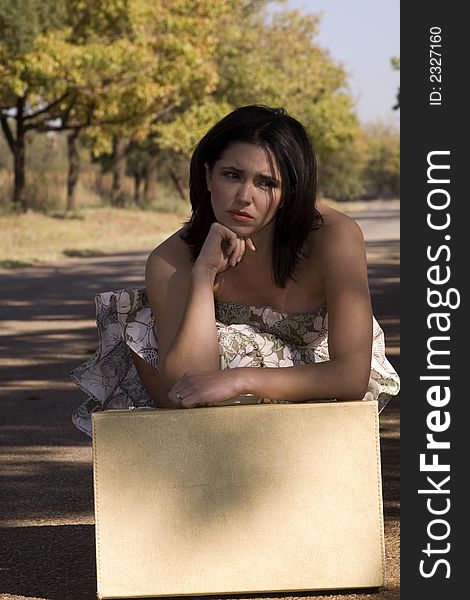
pixel 248 337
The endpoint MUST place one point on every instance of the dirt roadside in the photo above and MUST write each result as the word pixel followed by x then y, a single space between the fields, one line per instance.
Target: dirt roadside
pixel 46 329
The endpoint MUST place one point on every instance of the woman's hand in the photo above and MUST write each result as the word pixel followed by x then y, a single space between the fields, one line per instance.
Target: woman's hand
pixel 222 249
pixel 205 387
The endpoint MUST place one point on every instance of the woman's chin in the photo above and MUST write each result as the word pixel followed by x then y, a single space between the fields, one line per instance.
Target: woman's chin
pixel 240 229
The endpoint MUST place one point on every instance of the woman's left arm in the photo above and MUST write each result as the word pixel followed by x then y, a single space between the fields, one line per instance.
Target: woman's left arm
pixel 345 375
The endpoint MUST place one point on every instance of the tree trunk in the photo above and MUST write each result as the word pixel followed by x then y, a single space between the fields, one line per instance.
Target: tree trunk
pixel 19 192
pixel 150 190
pixel 138 188
pixel 120 146
pixel 180 185
pixel 74 169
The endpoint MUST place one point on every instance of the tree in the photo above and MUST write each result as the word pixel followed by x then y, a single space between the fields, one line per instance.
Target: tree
pixel 158 74
pixel 382 171
pixel 177 43
pixel 122 64
pixel 273 61
pixel 38 43
pixel 21 24
pixel 395 62
pixel 276 61
pixel 342 174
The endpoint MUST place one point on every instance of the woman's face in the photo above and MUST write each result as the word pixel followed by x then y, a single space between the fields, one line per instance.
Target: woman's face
pixel 245 186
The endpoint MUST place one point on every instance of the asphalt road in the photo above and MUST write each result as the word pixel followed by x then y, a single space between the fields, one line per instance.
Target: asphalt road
pixel 46 495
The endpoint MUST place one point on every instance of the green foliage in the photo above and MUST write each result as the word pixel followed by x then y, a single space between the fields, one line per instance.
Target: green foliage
pixel 395 62
pixel 121 63
pixel 274 62
pixel 160 73
pixel 277 62
pixel 341 175
pixel 382 172
pixel 22 21
pixel 181 134
pixel 366 167
pixel 169 68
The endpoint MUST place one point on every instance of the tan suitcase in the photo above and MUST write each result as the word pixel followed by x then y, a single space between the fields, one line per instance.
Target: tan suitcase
pixel 238 499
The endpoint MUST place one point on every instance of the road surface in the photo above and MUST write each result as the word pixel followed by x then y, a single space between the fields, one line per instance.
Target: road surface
pixel 46 329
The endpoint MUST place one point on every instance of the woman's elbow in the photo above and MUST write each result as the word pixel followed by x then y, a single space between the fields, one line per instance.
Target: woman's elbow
pixel 353 394
pixel 169 374
pixel 355 385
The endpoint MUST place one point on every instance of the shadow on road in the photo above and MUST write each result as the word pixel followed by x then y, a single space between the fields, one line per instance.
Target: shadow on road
pixel 53 562
pixel 47 547
pixel 384 282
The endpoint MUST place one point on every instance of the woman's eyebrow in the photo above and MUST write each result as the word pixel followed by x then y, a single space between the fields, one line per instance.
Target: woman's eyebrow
pixel 264 176
pixel 232 168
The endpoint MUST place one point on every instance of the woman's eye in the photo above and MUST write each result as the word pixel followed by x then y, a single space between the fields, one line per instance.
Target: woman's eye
pixel 231 175
pixel 268 184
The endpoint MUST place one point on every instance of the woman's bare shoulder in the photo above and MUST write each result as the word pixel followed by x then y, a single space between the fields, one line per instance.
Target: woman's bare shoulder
pixel 338 229
pixel 173 251
pixel 338 244
pixel 171 257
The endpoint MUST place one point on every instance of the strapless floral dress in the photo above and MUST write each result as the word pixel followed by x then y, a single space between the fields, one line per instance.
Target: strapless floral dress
pixel 248 337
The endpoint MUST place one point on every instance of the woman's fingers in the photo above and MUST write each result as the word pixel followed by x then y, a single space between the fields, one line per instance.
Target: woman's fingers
pixel 233 247
pixel 236 252
pixel 232 244
pixel 189 403
pixel 241 249
pixel 185 391
pixel 250 245
pixel 197 388
pixel 181 397
pixel 184 397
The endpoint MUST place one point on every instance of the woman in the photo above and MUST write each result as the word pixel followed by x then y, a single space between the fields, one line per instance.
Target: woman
pixel 260 276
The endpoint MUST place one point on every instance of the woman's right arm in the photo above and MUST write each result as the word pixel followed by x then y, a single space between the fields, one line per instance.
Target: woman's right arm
pixel 181 295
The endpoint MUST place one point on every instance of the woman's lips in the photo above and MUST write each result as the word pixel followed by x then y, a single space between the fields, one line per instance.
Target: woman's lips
pixel 240 216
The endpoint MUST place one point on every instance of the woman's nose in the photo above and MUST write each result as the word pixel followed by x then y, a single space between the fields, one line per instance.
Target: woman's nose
pixel 244 193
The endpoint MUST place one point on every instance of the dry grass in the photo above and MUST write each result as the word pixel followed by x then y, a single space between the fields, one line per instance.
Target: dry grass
pixel 34 238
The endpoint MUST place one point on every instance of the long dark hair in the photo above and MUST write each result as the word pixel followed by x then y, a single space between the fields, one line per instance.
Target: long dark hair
pixel 290 144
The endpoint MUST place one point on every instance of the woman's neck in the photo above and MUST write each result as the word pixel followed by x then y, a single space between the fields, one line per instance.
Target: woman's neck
pixel 263 242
